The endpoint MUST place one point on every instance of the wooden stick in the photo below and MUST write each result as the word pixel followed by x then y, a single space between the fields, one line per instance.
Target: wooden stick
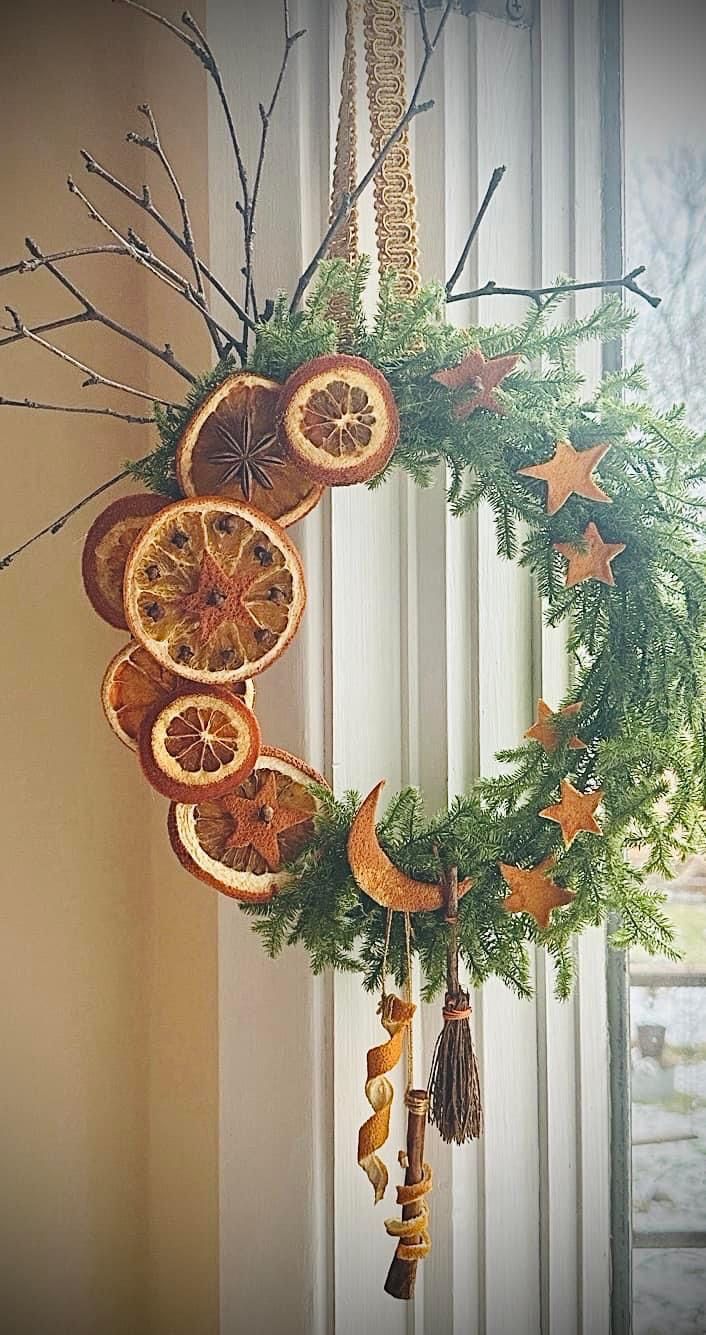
pixel 402 1274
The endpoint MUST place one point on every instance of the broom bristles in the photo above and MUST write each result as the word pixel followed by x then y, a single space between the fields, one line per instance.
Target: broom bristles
pixel 454 1086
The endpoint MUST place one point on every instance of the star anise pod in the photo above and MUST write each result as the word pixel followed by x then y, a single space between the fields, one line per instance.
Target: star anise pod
pixel 245 460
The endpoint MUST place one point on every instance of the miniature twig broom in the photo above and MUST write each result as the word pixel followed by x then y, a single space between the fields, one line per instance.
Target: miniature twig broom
pixel 454 1087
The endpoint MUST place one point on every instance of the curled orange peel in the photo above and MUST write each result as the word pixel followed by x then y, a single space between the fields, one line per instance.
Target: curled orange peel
pixel 395 1017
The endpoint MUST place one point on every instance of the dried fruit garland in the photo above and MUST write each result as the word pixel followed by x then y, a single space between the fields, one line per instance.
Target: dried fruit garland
pixel 207 580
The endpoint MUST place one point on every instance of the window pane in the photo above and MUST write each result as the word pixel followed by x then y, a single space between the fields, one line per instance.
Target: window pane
pixel 669 1297
pixel 665 191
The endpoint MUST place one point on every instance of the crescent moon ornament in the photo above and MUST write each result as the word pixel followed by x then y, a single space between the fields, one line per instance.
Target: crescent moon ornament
pixel 379 877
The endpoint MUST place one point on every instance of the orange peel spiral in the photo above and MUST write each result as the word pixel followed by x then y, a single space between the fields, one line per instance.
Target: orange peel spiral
pixel 395 1017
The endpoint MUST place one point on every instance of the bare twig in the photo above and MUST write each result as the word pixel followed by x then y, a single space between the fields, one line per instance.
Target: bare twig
pixel 493 184
pixel 29 265
pixel 57 524
pixel 414 108
pixel 94 377
pixel 199 46
pixel 266 114
pixel 153 144
pixel 91 312
pixel 143 254
pixel 144 201
pixel 48 328
pixel 69 408
pixel 540 295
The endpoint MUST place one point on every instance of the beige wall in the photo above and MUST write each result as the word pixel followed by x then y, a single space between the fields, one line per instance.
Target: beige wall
pixel 108 1109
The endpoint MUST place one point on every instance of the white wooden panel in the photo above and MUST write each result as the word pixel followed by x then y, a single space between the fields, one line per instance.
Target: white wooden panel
pixel 593 1146
pixel 511 1250
pixel 556 1020
pixel 276 1021
pixel 443 557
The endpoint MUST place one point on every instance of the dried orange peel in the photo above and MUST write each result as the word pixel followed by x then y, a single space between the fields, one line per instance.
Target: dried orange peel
pixel 338 419
pixel 199 743
pixel 107 548
pixel 396 1016
pixel 214 590
pixel 418 1226
pixel 231 448
pixel 376 874
pixel 208 843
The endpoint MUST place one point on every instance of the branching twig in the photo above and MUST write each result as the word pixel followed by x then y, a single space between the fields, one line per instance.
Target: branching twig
pixel 143 254
pixel 94 377
pixel 540 295
pixel 493 184
pixel 153 143
pixel 29 266
pixel 57 524
pixel 266 114
pixel 349 201
pixel 91 312
pixel 144 201
pixel 65 323
pixel 69 408
pixel 199 46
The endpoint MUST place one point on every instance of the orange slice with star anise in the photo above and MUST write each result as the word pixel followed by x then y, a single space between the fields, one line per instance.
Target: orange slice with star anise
pixel 106 550
pixel 214 590
pixel 230 448
pixel 134 682
pixel 200 743
pixel 338 419
pixel 240 843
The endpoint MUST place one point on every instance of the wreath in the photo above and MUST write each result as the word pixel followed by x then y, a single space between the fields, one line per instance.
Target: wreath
pixel 596 494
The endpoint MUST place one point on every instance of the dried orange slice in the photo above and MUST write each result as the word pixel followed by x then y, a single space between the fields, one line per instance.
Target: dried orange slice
pixel 214 590
pixel 238 843
pixel 199 744
pixel 106 550
pixel 134 682
pixel 338 419
pixel 230 448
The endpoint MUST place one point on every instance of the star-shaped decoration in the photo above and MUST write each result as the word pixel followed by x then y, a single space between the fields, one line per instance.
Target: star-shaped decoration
pixel 218 597
pixel 569 472
pixel 244 456
pixel 533 891
pixel 259 820
pixel 574 812
pixel 545 729
pixel 593 562
pixel 482 376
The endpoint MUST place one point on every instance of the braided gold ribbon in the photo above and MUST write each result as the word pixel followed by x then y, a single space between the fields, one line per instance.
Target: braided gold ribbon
pixel 395 202
pixel 395 1017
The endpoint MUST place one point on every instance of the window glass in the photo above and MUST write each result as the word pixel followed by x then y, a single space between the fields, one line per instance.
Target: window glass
pixel 665 214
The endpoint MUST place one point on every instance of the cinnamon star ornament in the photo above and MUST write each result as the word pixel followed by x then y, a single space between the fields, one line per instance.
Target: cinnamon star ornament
pixel 545 729
pixel 482 376
pixel 593 562
pixel 259 820
pixel 533 891
pixel 574 812
pixel 218 597
pixel 569 472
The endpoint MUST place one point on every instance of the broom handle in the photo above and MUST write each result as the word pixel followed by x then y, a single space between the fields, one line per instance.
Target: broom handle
pixel 402 1274
pixel 451 892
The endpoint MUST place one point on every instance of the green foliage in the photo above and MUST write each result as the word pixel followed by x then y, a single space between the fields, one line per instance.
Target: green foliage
pixel 638 648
